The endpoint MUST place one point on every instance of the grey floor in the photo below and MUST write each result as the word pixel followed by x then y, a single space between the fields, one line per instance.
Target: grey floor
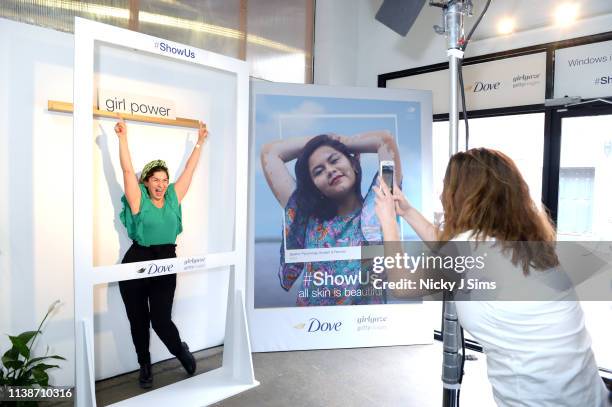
pixel 384 376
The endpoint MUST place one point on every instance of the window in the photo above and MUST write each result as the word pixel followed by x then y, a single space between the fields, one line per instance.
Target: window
pixel 521 137
pixel 585 206
pixel 576 198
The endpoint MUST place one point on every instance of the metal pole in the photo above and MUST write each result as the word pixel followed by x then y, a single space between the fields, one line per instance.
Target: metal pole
pixel 454 23
pixel 452 366
pixel 451 358
pixel 453 113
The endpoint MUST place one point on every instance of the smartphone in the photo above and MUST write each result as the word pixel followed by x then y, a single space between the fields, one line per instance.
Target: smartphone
pixel 387 170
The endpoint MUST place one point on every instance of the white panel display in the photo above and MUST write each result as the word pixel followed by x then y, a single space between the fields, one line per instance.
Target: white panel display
pixel 206 86
pixel 506 82
pixel 312 292
pixel 584 71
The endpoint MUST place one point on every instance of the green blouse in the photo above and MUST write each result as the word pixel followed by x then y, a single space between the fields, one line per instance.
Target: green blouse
pixel 153 225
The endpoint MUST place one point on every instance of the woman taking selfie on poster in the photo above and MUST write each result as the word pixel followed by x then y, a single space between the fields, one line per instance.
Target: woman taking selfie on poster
pixel 152 216
pixel 538 352
pixel 324 208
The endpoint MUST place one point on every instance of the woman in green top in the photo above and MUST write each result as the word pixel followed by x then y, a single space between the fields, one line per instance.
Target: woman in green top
pixel 152 216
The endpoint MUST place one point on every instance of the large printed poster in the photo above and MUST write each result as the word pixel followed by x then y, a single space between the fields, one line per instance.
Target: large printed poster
pixel 316 158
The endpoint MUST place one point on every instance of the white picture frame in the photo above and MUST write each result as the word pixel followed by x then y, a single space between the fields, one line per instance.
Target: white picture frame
pixel 236 373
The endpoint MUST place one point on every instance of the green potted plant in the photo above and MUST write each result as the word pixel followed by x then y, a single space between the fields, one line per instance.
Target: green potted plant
pixel 19 368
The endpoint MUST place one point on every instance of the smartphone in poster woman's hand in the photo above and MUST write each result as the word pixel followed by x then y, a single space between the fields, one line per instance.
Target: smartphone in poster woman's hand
pixel 387 169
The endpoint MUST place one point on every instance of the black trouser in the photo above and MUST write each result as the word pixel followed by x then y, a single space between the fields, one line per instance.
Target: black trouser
pixel 149 300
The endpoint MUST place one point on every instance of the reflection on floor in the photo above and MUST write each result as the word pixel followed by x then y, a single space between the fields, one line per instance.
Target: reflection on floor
pixel 385 376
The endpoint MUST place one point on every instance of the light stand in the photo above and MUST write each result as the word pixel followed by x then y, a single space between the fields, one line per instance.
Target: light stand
pixel 399 15
pixel 452 334
pixel 452 358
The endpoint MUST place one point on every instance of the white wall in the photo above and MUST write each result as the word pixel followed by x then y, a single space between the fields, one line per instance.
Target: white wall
pixel 335 47
pixel 351 55
pixel 36 217
pixel 35 247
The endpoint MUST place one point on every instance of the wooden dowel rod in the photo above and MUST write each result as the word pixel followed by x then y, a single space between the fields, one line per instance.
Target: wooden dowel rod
pixel 65 107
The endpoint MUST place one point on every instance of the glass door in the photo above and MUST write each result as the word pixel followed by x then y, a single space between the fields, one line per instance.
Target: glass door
pixel 585 205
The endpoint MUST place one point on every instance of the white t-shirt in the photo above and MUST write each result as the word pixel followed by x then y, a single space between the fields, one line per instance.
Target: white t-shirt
pixel 538 352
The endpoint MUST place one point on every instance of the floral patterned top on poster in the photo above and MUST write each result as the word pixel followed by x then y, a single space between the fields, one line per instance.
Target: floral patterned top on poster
pixel 358 228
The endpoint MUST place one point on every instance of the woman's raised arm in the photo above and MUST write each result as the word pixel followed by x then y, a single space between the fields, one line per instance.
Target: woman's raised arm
pixel 181 186
pixel 387 207
pixel 419 223
pixel 130 182
pixel 274 155
pixel 380 142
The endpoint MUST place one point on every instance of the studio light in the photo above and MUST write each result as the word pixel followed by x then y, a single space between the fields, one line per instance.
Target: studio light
pixel 566 14
pixel 399 15
pixel 506 25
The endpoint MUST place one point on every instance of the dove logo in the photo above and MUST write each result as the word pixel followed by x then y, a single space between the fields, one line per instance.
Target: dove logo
pixel 153 268
pixel 486 87
pixel 315 325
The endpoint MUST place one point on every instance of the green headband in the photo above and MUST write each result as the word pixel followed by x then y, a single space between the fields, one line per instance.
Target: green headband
pixel 147 168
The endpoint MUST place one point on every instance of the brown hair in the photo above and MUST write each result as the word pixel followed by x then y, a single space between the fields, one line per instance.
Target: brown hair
pixel 153 171
pixel 485 193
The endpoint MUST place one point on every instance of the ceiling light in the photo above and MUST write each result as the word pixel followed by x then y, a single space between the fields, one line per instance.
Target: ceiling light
pixel 566 14
pixel 506 25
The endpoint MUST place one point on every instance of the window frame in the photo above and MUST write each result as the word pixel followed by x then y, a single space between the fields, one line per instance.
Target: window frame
pixel 552 115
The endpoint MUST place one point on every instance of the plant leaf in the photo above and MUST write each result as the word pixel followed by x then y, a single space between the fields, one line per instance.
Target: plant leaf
pixel 20 345
pixel 41 377
pixel 10 355
pixel 31 361
pixel 13 364
pixel 43 366
pixel 23 375
pixel 27 336
pixel 23 382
